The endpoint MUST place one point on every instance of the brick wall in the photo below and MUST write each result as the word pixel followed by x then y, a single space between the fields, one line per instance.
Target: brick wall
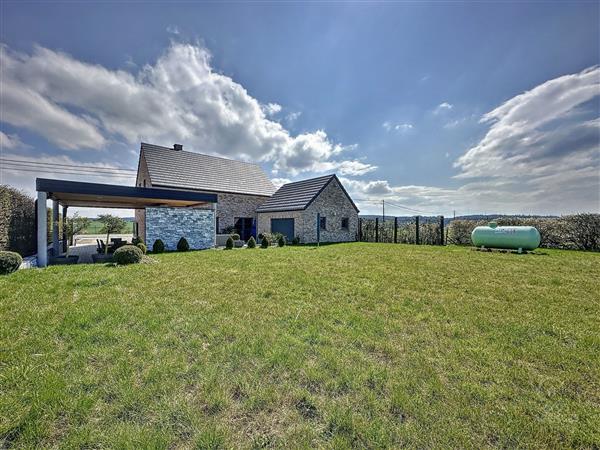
pixel 171 224
pixel 333 204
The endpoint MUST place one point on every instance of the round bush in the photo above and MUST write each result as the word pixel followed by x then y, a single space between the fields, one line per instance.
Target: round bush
pixel 142 247
pixel 260 235
pixel 265 242
pixel 137 240
pixel 158 246
pixel 281 241
pixel 9 262
pixel 251 242
pixel 128 254
pixel 235 237
pixel 296 241
pixel 182 245
pixel 229 243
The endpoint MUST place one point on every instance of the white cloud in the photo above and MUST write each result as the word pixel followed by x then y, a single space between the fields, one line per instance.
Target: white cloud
pixel 180 98
pixel 271 109
pixel 278 182
pixel 538 133
pixel 11 141
pixel 400 127
pixel 540 155
pixel 173 29
pixel 442 107
pixel 293 116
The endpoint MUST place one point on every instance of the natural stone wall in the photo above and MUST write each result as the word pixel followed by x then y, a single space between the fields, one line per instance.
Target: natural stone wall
pixel 333 204
pixel 230 206
pixel 171 224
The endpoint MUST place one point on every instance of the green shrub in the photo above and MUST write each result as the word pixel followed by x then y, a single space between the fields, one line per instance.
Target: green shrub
pixel 281 241
pixel 229 243
pixel 182 245
pixel 9 262
pixel 251 242
pixel 128 254
pixel 142 247
pixel 137 240
pixel 265 242
pixel 158 246
pixel 235 237
pixel 260 235
pixel 296 241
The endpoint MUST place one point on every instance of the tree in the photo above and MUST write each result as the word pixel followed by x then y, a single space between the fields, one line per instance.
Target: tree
pixel 76 225
pixel 110 224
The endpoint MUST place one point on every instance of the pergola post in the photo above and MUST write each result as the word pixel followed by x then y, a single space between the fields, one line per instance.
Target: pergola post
pixel 42 230
pixel 64 229
pixel 55 243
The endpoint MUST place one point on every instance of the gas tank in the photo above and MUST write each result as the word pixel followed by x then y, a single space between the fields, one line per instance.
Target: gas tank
pixel 493 236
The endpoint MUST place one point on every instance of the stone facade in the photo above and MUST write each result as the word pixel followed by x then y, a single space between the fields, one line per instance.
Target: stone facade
pixel 171 224
pixel 229 206
pixel 333 204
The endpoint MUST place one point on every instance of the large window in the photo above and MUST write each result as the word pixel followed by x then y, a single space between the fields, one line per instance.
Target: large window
pixel 345 222
pixel 323 223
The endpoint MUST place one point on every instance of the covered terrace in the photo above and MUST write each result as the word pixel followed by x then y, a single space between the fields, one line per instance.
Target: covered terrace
pixel 67 194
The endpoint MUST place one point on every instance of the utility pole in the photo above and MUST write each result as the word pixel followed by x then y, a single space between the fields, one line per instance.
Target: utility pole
pixel 383 214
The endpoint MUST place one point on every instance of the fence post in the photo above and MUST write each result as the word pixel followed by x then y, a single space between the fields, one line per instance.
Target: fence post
pixel 376 229
pixel 395 230
pixel 442 230
pixel 318 229
pixel 417 230
pixel 360 235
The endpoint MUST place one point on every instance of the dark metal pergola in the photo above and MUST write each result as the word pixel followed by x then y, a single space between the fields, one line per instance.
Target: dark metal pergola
pixel 75 193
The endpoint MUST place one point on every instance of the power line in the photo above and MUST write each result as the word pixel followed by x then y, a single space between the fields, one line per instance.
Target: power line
pixel 83 170
pixel 64 165
pixel 73 172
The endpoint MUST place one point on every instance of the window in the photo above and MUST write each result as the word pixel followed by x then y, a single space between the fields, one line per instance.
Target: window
pixel 345 223
pixel 323 223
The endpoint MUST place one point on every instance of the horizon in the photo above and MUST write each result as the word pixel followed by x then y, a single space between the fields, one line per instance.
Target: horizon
pixel 432 107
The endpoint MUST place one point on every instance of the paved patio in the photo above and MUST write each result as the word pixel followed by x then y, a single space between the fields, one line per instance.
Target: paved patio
pixel 84 252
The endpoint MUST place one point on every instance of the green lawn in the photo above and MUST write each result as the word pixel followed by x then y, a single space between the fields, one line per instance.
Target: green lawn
pixel 363 345
pixel 95 227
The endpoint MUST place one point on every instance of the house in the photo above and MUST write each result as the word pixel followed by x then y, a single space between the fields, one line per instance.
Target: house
pixel 247 201
pixel 240 187
pixel 296 209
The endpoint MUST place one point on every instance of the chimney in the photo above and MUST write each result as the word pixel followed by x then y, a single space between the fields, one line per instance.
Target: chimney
pixel 177 147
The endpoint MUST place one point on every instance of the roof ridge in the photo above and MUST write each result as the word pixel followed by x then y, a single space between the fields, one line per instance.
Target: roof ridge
pixel 309 179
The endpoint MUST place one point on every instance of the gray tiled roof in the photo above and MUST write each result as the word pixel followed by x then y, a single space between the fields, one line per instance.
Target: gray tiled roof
pixel 189 170
pixel 296 196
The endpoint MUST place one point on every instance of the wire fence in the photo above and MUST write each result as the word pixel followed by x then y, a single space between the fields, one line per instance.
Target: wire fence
pixel 403 230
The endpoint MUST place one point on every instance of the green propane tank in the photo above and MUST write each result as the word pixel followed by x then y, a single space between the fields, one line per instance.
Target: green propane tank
pixel 493 236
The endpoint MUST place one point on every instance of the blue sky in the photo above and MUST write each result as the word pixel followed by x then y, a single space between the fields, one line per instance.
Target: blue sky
pixel 390 96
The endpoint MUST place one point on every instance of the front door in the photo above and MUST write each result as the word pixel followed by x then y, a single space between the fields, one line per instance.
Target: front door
pixel 283 226
pixel 245 227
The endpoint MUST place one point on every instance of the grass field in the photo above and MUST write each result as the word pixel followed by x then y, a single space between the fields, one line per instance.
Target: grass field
pixel 95 227
pixel 362 345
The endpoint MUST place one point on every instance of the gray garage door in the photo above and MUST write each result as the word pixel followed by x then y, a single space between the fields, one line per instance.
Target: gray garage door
pixel 283 226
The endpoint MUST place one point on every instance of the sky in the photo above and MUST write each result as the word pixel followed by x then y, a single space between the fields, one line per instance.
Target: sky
pixel 436 108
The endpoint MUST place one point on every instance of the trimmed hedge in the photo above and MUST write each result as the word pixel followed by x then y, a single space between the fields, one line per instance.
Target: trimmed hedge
pixel 296 240
pixel 158 246
pixel 128 254
pixel 229 243
pixel 251 242
pixel 182 245
pixel 142 247
pixel 17 222
pixel 235 237
pixel 265 242
pixel 281 241
pixel 9 262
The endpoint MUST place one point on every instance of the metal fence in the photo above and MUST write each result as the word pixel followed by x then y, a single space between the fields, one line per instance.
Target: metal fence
pixel 403 230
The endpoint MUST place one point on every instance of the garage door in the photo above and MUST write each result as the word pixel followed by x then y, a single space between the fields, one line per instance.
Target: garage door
pixel 283 226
